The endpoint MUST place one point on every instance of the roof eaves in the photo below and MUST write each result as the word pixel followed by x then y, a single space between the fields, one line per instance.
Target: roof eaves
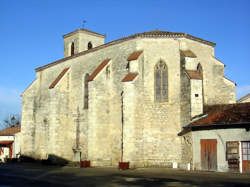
pixel 129 77
pixel 189 72
pixel 59 77
pixel 217 60
pixel 135 55
pixel 83 30
pixel 200 40
pixel 188 53
pixel 98 69
pixel 230 81
pixel 244 98
pixel 138 35
pixel 85 52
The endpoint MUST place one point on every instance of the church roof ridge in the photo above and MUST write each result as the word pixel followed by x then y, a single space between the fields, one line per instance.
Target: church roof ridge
pixel 84 30
pixel 149 34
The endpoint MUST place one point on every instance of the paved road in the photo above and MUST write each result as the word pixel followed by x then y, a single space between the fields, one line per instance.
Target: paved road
pixel 14 175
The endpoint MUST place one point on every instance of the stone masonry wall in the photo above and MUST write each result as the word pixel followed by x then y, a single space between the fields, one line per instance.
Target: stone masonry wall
pixel 217 90
pixel 55 122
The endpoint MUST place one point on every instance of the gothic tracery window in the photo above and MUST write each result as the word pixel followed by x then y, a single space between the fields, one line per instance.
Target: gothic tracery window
pixel 161 81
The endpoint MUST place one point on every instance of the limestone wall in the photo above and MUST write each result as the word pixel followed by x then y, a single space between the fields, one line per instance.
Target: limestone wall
pixel 55 122
pixel 159 121
pixel 216 89
pixel 196 97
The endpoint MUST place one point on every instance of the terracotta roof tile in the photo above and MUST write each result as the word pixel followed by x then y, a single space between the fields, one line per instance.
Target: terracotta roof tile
pixel 98 69
pixel 226 114
pixel 188 53
pixel 129 77
pixel 134 55
pixel 192 74
pixel 10 130
pixel 6 142
pixel 53 84
pixel 243 98
pixel 150 34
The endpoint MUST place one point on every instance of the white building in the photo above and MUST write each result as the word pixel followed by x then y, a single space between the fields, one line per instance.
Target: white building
pixel 10 142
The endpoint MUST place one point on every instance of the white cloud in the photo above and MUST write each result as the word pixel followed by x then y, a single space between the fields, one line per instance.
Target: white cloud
pixel 10 102
pixel 242 90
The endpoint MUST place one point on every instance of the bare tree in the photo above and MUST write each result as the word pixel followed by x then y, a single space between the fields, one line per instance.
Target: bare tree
pixel 12 120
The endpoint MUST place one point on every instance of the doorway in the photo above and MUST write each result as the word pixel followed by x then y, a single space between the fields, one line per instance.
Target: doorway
pixel 208 154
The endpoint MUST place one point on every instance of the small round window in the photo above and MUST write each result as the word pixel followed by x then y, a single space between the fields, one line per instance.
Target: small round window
pixel 90 45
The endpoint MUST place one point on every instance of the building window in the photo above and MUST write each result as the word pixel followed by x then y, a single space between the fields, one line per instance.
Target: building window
pixel 72 49
pixel 86 91
pixel 199 68
pixel 232 150
pixel 107 72
pixel 90 46
pixel 161 81
pixel 246 150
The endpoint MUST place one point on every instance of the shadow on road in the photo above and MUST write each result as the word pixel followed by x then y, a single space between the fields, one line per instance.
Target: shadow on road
pixel 36 174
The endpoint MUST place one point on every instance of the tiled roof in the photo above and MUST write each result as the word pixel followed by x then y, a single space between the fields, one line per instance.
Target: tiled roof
pixel 221 117
pixel 134 55
pixel 129 77
pixel 84 30
pixel 226 114
pixel 243 98
pixel 10 130
pixel 154 34
pixel 6 142
pixel 192 74
pixel 53 84
pixel 98 69
pixel 157 33
pixel 188 53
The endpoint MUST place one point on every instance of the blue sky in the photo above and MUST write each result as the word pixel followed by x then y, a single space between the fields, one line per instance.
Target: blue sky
pixel 31 33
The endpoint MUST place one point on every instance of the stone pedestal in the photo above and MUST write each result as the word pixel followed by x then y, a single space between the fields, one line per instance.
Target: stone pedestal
pixel 77 155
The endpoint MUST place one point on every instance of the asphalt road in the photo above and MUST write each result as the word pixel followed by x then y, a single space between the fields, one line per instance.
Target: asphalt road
pixel 28 175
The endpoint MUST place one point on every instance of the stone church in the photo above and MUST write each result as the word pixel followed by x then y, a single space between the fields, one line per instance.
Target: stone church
pixel 125 100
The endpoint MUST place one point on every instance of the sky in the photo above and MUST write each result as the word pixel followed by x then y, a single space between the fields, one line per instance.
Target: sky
pixel 31 33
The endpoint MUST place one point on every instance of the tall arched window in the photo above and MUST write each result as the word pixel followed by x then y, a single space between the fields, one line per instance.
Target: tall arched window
pixel 86 91
pixel 161 81
pixel 90 45
pixel 72 49
pixel 199 68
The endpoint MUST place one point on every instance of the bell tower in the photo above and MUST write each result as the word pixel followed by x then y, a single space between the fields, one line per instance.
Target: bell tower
pixel 81 40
